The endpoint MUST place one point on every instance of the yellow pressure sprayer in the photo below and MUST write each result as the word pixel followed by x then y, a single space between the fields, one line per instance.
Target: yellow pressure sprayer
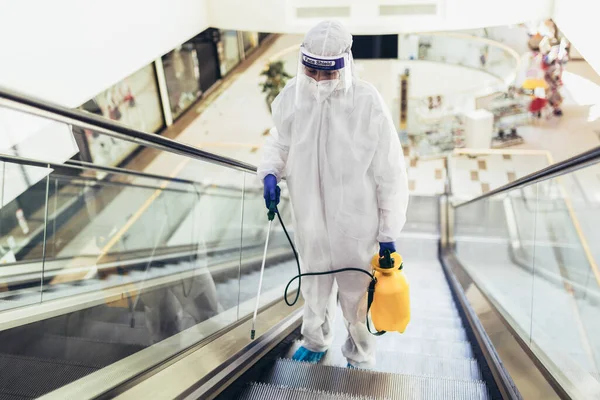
pixel 390 306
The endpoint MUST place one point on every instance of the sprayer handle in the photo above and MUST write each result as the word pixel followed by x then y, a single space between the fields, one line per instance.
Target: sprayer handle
pixel 272 211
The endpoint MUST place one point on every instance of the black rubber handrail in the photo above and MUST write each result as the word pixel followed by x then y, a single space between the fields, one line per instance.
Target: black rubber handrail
pixel 564 167
pixel 46 109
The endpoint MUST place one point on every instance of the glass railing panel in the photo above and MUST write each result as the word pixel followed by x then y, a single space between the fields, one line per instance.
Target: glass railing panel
pixel 144 266
pixel 583 188
pixel 487 244
pixel 565 328
pixel 22 232
pixel 541 275
pixel 147 267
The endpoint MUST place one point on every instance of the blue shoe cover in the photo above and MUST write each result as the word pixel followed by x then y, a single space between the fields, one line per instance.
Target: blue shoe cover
pixel 351 366
pixel 303 354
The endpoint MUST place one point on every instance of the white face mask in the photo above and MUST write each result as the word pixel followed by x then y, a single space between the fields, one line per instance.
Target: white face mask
pixel 326 88
pixel 320 90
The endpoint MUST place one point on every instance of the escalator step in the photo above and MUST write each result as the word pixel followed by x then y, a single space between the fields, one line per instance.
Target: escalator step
pixel 32 377
pixel 272 392
pixel 414 364
pixel 6 396
pixel 435 312
pixel 433 321
pixel 369 383
pixel 401 362
pixel 413 331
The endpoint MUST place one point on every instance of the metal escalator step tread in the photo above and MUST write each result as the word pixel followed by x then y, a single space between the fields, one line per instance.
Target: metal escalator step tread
pixel 435 321
pixel 434 312
pixel 420 332
pixel 413 345
pixel 33 377
pixel 424 347
pixel 398 362
pixel 7 396
pixel 369 383
pixel 263 391
pixel 433 302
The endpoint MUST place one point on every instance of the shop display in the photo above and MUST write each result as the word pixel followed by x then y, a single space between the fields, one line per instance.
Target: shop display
pixel 208 57
pixel 249 42
pixel 229 51
pixel 511 110
pixel 440 127
pixel 545 64
pixel 135 102
pixel 182 75
pixel 404 86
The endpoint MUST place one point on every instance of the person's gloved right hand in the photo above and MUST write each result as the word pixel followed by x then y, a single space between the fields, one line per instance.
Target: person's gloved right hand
pixel 391 246
pixel 272 191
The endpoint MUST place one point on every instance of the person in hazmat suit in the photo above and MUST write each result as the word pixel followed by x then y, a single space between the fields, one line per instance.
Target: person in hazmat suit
pixel 336 145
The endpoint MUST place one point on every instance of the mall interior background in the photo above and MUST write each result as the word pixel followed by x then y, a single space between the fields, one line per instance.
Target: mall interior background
pixel 441 74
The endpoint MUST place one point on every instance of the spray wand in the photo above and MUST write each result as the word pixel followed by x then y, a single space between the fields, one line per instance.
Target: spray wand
pixel 271 216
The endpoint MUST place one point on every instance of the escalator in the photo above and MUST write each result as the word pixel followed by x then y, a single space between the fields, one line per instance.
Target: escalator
pixel 437 357
pixel 433 359
pixel 147 291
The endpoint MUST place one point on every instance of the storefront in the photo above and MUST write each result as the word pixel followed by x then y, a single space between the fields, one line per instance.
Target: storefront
pixel 249 42
pixel 229 51
pixel 262 36
pixel 135 102
pixel 182 76
pixel 144 101
pixel 205 45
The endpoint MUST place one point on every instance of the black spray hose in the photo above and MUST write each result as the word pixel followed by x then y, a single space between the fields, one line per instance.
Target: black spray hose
pixel 335 271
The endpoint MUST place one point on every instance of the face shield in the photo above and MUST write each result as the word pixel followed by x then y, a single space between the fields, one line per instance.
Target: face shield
pixel 322 77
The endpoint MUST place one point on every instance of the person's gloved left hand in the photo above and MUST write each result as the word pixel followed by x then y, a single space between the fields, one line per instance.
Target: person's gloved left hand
pixel 391 246
pixel 271 191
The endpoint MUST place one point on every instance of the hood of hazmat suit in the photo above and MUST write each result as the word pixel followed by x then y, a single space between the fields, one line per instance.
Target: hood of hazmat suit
pixel 335 143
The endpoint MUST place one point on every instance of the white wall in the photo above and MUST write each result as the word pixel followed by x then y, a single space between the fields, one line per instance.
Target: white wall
pixel 70 50
pixel 578 20
pixel 281 15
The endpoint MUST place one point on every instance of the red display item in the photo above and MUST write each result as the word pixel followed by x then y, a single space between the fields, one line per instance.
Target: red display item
pixel 537 105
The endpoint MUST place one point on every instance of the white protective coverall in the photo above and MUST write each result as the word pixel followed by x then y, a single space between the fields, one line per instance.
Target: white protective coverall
pixel 335 143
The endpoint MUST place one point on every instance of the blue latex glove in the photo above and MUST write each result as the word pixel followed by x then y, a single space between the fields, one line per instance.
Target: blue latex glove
pixel 391 246
pixel 272 191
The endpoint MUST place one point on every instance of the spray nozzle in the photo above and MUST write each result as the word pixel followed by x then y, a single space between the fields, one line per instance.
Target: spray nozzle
pixel 272 211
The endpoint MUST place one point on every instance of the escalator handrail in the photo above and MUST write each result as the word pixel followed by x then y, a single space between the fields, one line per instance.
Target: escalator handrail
pixel 561 168
pixel 83 166
pixel 46 109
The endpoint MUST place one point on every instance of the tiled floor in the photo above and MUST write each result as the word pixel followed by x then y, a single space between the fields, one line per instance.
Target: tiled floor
pixel 474 175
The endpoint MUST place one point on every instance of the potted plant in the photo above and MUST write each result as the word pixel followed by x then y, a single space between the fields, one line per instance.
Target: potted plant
pixel 275 80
